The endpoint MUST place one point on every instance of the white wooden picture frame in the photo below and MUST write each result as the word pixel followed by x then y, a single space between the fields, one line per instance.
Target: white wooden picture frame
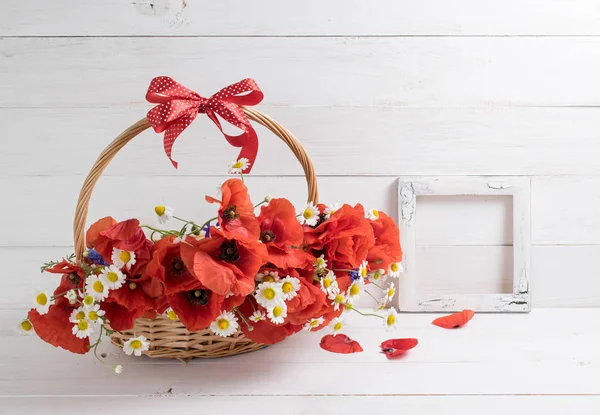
pixel 409 300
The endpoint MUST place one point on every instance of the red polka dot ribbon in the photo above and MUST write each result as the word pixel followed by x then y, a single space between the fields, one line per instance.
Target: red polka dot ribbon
pixel 178 107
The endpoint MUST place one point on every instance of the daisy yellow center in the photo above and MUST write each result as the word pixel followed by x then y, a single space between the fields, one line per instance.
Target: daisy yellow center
pixel 363 272
pixel 287 287
pixel 320 262
pixel 160 210
pixel 277 311
pixel 347 306
pixel 112 277
pixel 223 324
pixel 98 286
pixel 339 298
pixel 327 282
pixel 171 314
pixel 80 315
pixel 88 300
pixel 307 214
pixel 314 323
pixel 375 213
pixel 135 344
pixel 82 325
pixel 125 256
pixel 391 292
pixel 41 299
pixel 238 164
pixel 92 315
pixel 376 276
pixel 268 278
pixel 394 267
pixel 26 325
pixel 337 326
pixel 391 319
pixel 354 290
pixel 269 293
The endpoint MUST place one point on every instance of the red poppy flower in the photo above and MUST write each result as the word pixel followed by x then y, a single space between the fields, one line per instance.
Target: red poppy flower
pixel 66 267
pixel 345 238
pixel 340 343
pixel 196 308
pixel 121 318
pixel 138 293
pixel 396 347
pixel 236 213
pixel 168 267
pixel 264 332
pixel 455 320
pixel 54 327
pixel 281 232
pixel 387 248
pixel 224 265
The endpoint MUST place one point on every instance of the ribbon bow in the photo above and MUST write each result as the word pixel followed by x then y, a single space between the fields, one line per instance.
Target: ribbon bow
pixel 178 107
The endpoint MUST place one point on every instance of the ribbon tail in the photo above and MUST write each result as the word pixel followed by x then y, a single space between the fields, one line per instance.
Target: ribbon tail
pixel 249 144
pixel 173 131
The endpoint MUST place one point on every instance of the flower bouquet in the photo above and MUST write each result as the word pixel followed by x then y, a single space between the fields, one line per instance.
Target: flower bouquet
pixel 250 276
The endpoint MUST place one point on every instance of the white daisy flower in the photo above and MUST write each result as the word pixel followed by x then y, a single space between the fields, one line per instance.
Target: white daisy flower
pixel 328 282
pixel 136 345
pixel 238 166
pixel 378 275
pixel 363 270
pixel 82 329
pixel 118 369
pixel 269 294
pixel 164 213
pixel 88 301
pixel 257 316
pixel 372 214
pixel 72 296
pixel 336 325
pixel 171 314
pixel 355 289
pixel 320 262
pixel 77 315
pixel 225 325
pixel 337 299
pixel 42 302
pixel 96 288
pixel 25 328
pixel 314 323
pixel 94 314
pixel 348 305
pixel 123 258
pixel 331 209
pixel 309 215
pixel 277 314
pixel 388 294
pixel 267 276
pixel 290 287
pixel 395 269
pixel 390 320
pixel 112 277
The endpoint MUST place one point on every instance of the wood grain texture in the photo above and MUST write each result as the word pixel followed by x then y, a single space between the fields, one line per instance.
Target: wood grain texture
pixel 364 72
pixel 308 18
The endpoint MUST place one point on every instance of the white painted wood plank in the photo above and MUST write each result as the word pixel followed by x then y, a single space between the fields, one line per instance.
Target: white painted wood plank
pixel 405 72
pixel 272 17
pixel 341 141
pixel 487 353
pixel 308 405
pixel 566 210
pixel 47 204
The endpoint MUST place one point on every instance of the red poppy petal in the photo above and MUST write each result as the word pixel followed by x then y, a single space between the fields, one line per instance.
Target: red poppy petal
pixel 340 344
pixel 54 328
pixel 455 320
pixel 396 347
pixel 213 275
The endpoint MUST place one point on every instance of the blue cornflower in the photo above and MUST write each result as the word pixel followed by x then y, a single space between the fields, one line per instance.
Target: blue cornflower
pixel 94 257
pixel 354 274
pixel 206 229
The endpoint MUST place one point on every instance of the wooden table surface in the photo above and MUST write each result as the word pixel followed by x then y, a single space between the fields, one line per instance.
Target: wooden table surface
pixel 548 361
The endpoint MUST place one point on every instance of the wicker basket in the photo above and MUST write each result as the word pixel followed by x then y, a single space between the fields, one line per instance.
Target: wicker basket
pixel 170 339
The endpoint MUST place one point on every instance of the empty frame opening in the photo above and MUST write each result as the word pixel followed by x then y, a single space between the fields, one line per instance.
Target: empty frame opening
pixel 464 244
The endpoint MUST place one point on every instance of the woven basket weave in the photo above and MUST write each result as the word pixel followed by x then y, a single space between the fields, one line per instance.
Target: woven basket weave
pixel 170 339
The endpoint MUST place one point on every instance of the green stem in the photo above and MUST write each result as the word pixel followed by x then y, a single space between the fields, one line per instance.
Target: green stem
pixel 377 285
pixel 208 221
pixel 250 327
pixel 367 314
pixel 372 296
pixel 162 232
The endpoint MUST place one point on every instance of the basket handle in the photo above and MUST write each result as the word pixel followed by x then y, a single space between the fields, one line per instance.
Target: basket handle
pixel 126 136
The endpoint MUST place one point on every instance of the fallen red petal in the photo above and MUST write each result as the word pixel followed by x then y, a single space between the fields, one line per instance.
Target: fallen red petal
pixel 340 344
pixel 455 320
pixel 396 347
